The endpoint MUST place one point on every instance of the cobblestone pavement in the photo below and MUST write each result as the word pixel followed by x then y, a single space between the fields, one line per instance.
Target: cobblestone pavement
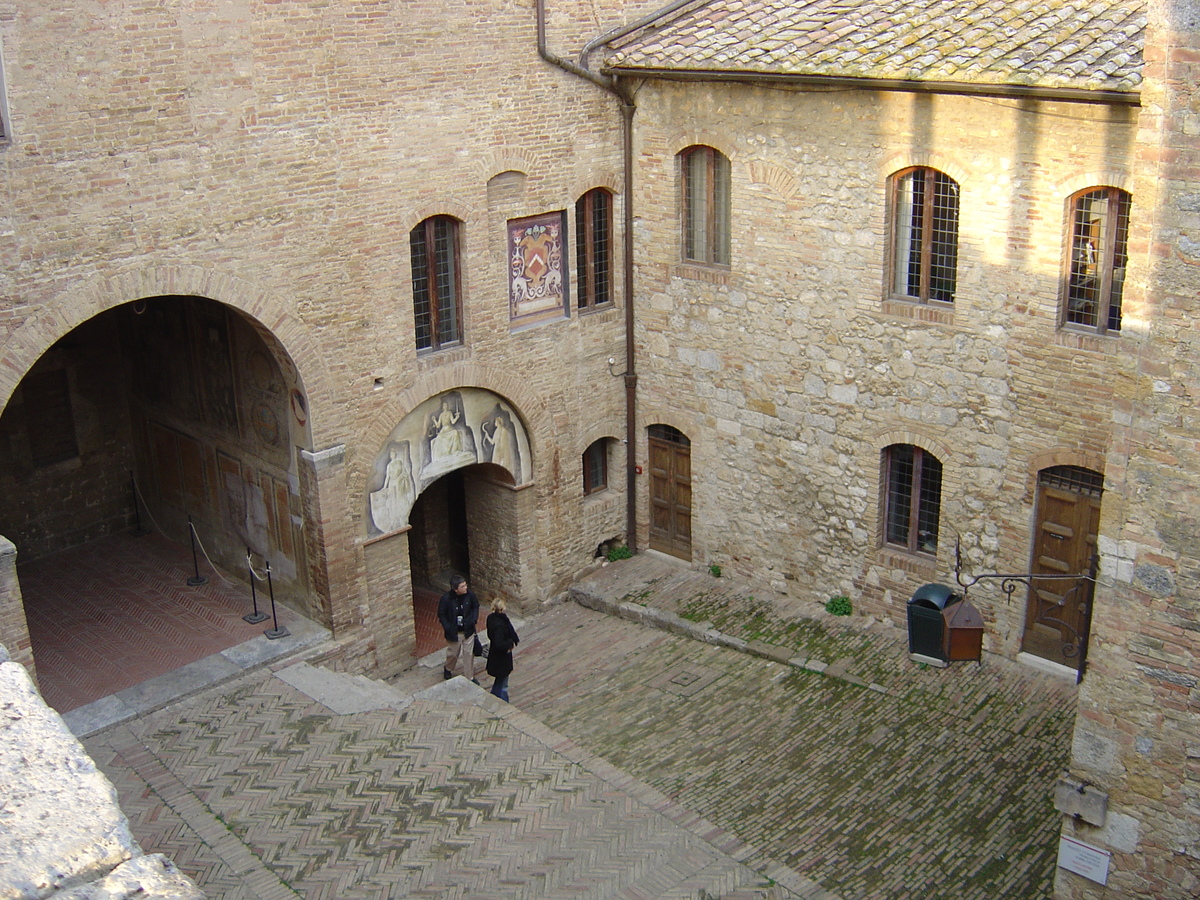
pixel 633 763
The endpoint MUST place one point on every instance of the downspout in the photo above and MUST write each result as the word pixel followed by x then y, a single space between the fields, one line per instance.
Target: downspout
pixel 618 90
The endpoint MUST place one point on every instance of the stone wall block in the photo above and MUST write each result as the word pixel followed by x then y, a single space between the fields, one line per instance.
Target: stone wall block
pixel 60 825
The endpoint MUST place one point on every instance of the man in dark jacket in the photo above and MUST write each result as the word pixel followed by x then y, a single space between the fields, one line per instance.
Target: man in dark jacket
pixel 458 611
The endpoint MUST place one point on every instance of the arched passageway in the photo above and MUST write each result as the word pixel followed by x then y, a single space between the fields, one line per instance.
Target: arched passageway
pixel 449 494
pixel 159 412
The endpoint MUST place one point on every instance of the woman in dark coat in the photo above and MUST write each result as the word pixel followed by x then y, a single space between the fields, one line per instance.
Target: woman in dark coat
pixel 502 637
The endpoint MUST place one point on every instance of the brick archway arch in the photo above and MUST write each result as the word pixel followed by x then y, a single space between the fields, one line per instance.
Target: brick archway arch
pixel 83 301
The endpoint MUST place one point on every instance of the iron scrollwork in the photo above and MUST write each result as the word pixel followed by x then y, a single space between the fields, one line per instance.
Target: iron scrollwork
pixel 1052 616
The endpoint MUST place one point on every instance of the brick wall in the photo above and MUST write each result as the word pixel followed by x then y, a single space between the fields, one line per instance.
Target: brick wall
pixel 1137 736
pixel 273 157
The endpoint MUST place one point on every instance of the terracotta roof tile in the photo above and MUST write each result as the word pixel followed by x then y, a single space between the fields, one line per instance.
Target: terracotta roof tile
pixel 1087 44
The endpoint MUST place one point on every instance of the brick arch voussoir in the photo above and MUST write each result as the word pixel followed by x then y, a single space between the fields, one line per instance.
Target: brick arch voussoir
pixel 1067 187
pixel 510 159
pixel 1060 456
pixel 897 162
pixel 936 446
pixel 609 180
pixel 444 206
pixel 682 140
pixel 686 425
pixel 79 303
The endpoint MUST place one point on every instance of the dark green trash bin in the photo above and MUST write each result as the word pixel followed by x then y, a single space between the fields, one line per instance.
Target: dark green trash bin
pixel 926 625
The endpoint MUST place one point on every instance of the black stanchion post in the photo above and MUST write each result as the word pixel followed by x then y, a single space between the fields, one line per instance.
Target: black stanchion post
pixel 197 579
pixel 138 530
pixel 278 631
pixel 255 617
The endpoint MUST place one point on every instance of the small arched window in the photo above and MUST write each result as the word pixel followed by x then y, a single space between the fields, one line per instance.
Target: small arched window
pixel 437 294
pixel 595 467
pixel 924 235
pixel 705 189
pixel 912 498
pixel 1099 232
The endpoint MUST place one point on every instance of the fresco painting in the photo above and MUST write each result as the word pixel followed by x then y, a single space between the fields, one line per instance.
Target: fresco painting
pixel 446 432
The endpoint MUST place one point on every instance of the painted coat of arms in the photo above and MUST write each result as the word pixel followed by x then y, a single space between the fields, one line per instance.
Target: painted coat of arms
pixel 537 278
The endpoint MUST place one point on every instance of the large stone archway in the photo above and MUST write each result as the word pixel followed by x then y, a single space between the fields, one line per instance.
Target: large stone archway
pixel 282 488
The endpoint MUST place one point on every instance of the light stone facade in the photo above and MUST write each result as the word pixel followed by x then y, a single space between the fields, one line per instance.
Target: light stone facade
pixel 793 370
pixel 273 158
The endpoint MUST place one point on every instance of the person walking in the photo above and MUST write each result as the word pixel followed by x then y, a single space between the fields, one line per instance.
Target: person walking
pixel 458 611
pixel 502 637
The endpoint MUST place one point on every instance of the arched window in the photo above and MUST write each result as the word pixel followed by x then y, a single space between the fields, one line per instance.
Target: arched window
pixel 593 248
pixel 1099 232
pixel 437 296
pixel 595 467
pixel 924 235
pixel 705 189
pixel 912 499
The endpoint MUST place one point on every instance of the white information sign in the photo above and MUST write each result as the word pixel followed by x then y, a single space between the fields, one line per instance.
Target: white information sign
pixel 1083 859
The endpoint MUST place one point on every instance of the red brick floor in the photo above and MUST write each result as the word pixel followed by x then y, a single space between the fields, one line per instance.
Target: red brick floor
pixel 112 613
pixel 429 632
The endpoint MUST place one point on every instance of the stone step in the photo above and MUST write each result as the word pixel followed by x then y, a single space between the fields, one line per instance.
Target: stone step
pixel 342 693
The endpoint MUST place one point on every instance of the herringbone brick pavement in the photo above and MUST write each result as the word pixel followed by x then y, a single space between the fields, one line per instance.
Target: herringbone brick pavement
pixel 258 791
pixel 632 764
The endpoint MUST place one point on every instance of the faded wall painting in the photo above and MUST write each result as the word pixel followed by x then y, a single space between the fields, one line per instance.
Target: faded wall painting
pixel 537 278
pixel 446 432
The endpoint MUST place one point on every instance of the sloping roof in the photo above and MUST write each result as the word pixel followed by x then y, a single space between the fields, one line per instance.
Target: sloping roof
pixel 1091 45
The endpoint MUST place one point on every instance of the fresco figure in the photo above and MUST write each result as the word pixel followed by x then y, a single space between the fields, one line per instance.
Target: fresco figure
pixel 390 504
pixel 499 440
pixel 449 442
pixel 446 439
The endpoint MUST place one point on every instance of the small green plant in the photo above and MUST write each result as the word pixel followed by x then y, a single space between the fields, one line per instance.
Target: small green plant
pixel 839 606
pixel 621 552
pixel 714 570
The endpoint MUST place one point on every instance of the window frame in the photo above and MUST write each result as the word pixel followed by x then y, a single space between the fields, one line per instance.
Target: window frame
pixel 430 319
pixel 929 246
pixel 597 451
pixel 917 513
pixel 715 207
pixel 594 250
pixel 1113 249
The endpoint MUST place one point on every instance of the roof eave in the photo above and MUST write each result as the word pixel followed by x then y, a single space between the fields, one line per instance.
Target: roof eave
pixel 1036 92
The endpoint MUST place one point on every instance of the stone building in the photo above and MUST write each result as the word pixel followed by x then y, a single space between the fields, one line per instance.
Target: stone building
pixel 840 295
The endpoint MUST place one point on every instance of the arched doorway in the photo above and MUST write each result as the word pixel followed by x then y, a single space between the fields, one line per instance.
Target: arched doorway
pixel 159 411
pixel 1067 521
pixel 449 494
pixel 670 491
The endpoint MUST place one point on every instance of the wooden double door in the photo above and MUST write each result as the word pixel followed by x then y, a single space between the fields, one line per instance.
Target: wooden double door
pixel 670 491
pixel 1058 614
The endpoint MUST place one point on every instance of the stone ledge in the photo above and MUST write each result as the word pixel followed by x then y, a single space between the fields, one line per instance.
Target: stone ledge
pixel 702 631
pixel 64 834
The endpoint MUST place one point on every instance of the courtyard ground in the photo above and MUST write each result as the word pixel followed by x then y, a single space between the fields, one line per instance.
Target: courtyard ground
pixel 808 759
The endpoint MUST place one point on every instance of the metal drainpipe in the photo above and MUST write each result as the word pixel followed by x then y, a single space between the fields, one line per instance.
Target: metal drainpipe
pixel 618 90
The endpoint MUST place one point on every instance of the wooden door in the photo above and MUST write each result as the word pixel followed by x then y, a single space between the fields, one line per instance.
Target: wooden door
pixel 670 492
pixel 1068 519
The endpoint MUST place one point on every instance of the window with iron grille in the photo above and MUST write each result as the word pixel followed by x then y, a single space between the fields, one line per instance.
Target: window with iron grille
pixel 593 248
pixel 595 467
pixel 706 211
pixel 437 299
pixel 924 235
pixel 1096 269
pixel 912 504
